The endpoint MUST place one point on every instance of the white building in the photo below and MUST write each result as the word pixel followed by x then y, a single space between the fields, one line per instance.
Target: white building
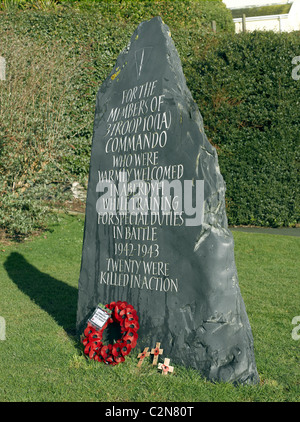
pixel 240 4
pixel 279 23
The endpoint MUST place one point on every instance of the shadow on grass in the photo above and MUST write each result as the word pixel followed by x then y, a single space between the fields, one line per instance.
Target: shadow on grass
pixel 52 295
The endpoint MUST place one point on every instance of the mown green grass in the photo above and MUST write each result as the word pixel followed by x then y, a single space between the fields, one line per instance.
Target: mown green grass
pixel 41 359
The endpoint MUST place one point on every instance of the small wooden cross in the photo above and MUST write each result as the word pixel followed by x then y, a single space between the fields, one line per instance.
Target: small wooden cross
pixel 165 367
pixel 157 351
pixel 142 356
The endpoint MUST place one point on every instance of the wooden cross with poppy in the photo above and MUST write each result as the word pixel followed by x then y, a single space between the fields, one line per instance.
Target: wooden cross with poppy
pixel 142 356
pixel 157 351
pixel 165 367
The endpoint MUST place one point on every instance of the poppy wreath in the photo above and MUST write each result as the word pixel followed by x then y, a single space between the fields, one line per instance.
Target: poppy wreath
pixel 112 354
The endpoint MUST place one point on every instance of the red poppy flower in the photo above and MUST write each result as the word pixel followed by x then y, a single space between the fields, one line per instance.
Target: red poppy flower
pixel 133 325
pixel 92 348
pixel 98 358
pixel 127 313
pixel 89 330
pixel 122 304
pixel 105 351
pixel 164 368
pixel 123 313
pixel 110 305
pixel 130 338
pixel 120 316
pixel 85 341
pixel 110 360
pixel 125 348
pixel 131 319
pixel 119 359
pixel 93 353
pixel 87 349
pixel 156 351
pixel 132 314
pixel 118 308
pixel 95 337
pixel 126 316
pixel 116 349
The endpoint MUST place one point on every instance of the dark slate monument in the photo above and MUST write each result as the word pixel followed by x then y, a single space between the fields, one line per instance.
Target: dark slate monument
pixel 156 231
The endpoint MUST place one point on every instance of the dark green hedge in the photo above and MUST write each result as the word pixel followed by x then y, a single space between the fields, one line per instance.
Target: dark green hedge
pixel 250 105
pixel 56 60
pixel 242 84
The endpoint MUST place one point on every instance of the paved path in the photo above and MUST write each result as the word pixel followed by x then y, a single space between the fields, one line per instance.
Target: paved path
pixel 285 231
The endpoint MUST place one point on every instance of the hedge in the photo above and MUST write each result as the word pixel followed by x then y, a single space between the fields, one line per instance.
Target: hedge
pixel 250 105
pixel 56 61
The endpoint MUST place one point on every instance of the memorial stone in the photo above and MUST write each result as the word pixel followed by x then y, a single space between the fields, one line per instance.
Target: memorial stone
pixel 156 233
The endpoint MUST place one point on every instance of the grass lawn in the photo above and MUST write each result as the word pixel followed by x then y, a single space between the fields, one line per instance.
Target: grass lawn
pixel 41 360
